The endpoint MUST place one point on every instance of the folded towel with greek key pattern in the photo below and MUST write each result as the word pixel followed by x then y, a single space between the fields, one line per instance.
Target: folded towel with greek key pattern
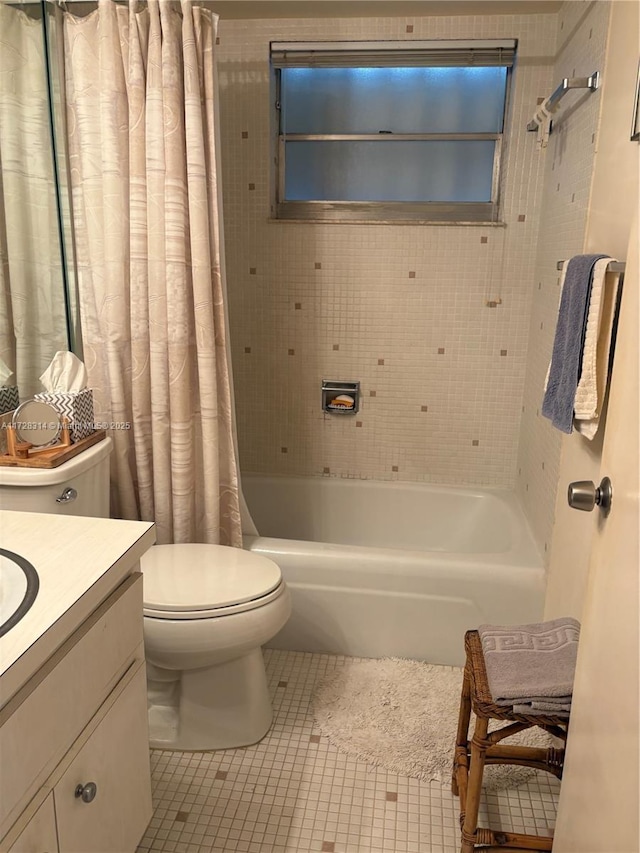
pixel 532 666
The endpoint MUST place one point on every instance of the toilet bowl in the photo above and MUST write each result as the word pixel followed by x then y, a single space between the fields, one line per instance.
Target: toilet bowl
pixel 208 609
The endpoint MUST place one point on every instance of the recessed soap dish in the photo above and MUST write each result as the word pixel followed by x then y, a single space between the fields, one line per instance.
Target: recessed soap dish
pixel 340 397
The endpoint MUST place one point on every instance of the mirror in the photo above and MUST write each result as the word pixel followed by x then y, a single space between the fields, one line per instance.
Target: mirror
pixel 34 303
pixel 37 423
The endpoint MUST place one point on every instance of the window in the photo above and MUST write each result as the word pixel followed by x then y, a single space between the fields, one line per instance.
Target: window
pixel 390 130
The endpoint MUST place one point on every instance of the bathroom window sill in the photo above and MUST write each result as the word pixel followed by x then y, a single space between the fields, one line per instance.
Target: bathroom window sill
pixel 481 224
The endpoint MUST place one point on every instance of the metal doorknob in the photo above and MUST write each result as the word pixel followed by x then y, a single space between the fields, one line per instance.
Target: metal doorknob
pixel 86 792
pixel 584 495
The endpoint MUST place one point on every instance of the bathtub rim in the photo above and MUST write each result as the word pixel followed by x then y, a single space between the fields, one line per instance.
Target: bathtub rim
pixel 523 553
pixel 272 546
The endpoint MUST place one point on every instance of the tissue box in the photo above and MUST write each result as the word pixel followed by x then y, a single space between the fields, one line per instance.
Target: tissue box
pixel 77 406
pixel 9 399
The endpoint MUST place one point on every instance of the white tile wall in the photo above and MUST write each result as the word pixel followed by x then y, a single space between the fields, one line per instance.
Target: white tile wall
pixel 582 41
pixel 401 308
pixel 294 792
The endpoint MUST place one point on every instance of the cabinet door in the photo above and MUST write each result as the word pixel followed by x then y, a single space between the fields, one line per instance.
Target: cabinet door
pixel 41 722
pixel 116 760
pixel 39 835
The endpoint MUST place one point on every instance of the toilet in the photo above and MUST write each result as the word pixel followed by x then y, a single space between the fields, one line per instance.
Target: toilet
pixel 208 609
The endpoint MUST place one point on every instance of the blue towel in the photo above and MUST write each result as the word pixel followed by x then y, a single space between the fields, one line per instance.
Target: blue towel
pixel 566 361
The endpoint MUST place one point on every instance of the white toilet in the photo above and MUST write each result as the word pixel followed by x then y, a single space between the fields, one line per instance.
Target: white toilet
pixel 207 611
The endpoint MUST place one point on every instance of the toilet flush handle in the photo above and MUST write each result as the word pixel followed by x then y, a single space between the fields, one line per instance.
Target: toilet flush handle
pixel 67 496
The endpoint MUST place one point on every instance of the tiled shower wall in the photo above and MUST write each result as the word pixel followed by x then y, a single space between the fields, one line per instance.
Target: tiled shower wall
pixel 567 183
pixel 402 308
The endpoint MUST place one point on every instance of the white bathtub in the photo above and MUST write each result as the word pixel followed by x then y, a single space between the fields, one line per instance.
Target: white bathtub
pixel 397 569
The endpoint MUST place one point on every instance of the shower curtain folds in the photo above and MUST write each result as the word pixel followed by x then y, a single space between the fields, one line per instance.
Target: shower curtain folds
pixel 142 145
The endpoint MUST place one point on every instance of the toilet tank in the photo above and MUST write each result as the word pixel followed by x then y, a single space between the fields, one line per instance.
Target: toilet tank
pixel 37 489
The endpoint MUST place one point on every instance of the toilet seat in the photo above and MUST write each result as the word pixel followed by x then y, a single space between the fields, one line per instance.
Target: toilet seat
pixel 199 581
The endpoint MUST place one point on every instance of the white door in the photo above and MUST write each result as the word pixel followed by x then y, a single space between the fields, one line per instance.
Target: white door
pixel 599 796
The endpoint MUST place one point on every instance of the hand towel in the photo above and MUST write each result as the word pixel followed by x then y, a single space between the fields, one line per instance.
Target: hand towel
pixel 538 707
pixel 533 663
pixel 564 372
pixel 597 346
pixel 563 275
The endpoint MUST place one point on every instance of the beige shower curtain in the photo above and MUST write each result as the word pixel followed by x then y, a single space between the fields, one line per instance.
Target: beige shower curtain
pixel 140 108
pixel 33 323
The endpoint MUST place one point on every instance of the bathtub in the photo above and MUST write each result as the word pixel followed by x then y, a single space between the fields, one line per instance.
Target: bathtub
pixel 395 569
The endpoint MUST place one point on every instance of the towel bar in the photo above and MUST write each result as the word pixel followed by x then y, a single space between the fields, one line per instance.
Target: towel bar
pixel 592 83
pixel 614 266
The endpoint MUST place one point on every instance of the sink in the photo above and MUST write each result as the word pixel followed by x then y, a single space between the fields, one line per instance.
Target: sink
pixel 19 585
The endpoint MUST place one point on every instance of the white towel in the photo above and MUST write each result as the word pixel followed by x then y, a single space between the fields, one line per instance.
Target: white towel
pixel 597 344
pixel 543 118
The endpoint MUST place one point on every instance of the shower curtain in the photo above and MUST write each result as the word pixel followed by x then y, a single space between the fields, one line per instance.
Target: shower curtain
pixel 32 310
pixel 141 115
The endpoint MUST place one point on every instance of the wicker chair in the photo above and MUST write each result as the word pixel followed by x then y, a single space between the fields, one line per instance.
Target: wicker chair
pixel 471 756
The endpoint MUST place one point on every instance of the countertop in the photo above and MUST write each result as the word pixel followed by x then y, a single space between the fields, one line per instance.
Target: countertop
pixel 79 561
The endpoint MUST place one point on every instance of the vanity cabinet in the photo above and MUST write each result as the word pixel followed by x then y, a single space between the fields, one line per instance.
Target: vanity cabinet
pixel 39 835
pixel 74 737
pixel 101 802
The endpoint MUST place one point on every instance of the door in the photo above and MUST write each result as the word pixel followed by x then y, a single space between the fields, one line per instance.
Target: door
pixel 598 810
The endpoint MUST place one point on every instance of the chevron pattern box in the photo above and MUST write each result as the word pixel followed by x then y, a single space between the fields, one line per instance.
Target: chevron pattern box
pixel 9 399
pixel 77 406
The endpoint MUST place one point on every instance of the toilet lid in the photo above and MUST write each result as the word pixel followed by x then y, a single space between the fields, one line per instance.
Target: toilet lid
pixel 193 577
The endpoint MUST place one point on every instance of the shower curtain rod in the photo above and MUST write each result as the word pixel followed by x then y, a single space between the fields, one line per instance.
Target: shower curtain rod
pixel 66 4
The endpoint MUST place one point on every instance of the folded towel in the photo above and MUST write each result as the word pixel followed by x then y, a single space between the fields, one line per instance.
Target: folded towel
pixel 529 664
pixel 563 712
pixel 597 346
pixel 564 372
pixel 556 706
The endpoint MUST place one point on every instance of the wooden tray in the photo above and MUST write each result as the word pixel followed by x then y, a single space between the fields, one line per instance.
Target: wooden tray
pixel 55 456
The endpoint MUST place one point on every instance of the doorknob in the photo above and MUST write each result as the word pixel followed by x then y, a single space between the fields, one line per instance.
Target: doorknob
pixel 584 495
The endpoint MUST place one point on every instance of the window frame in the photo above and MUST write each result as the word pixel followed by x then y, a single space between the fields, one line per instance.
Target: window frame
pixel 384 211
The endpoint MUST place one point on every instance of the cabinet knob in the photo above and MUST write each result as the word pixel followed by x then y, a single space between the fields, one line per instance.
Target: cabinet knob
pixel 87 792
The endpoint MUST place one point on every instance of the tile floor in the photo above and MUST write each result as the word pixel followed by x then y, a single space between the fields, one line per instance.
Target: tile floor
pixel 295 792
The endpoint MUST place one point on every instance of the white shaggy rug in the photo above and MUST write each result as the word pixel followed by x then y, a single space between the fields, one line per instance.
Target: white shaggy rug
pixel 403 715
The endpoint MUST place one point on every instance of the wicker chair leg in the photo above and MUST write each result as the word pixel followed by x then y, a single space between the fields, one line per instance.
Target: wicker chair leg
pixel 479 746
pixel 462 737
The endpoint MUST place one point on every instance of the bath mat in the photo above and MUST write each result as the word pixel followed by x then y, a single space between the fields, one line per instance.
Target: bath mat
pixel 403 715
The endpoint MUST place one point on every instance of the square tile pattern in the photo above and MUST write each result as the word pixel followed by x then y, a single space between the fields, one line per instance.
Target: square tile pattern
pixel 566 189
pixel 402 308
pixel 294 791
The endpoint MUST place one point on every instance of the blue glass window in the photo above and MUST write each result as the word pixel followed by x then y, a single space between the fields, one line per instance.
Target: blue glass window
pixel 414 136
pixel 402 100
pixel 412 171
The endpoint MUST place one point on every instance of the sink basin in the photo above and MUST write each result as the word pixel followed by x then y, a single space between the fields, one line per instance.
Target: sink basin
pixel 19 585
